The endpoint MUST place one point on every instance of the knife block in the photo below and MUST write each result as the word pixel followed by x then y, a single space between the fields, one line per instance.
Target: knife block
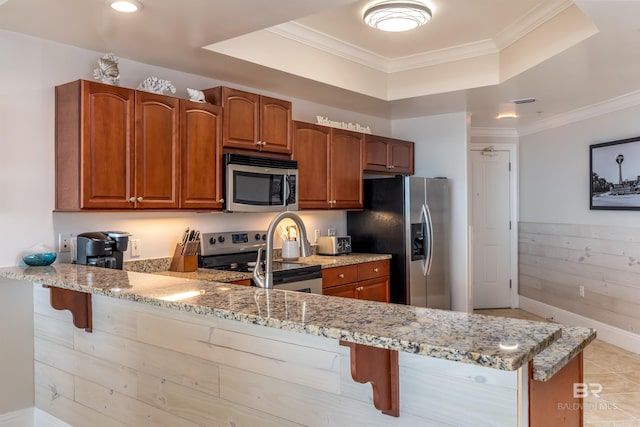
pixel 183 263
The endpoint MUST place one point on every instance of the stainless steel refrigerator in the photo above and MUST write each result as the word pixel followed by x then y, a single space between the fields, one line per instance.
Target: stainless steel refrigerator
pixel 409 218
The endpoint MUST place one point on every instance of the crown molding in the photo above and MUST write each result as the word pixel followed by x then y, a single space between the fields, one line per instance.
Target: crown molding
pixel 493 132
pixel 612 105
pixel 529 22
pixel 335 46
pixel 318 40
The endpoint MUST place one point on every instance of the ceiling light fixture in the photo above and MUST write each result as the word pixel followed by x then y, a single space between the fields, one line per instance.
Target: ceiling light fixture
pixel 127 6
pixel 395 16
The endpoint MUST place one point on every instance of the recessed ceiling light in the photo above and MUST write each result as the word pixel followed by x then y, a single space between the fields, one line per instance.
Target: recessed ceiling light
pixel 127 6
pixel 523 100
pixel 507 116
pixel 395 16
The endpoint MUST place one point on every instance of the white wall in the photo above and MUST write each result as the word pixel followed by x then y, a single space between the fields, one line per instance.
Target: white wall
pixel 555 175
pixel 441 150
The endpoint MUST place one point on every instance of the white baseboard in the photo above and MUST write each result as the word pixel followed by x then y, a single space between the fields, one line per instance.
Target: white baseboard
pixel 30 417
pixel 610 334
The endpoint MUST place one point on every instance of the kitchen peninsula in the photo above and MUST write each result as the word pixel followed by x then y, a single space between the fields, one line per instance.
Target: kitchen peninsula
pixel 180 352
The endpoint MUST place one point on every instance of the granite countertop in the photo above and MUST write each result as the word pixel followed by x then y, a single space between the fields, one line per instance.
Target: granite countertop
pixel 574 339
pixel 494 342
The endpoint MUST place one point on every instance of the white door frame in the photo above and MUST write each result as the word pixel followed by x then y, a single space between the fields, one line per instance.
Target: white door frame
pixel 514 217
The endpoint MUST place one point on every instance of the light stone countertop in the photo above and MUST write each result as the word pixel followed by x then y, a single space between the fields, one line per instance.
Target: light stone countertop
pixel 494 342
pixel 574 339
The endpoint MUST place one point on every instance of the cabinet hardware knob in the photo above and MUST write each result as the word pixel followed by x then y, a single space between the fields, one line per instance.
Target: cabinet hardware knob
pixel 263 143
pixel 132 199
pixel 375 270
pixel 221 201
pixel 139 199
pixel 341 276
pixel 258 143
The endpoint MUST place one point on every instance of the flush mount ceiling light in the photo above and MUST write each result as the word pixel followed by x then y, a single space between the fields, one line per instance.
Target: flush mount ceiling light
pixel 127 6
pixel 397 16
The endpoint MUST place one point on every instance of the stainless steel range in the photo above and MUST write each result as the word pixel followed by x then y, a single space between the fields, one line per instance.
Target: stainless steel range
pixel 238 251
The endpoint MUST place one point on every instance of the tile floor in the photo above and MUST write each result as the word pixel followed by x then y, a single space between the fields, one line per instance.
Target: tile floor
pixel 617 370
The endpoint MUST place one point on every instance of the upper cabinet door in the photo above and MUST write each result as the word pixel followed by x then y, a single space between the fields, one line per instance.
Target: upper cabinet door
pixel 401 157
pixel 241 127
pixel 275 125
pixel 253 122
pixel 200 155
pixel 393 156
pixel 311 150
pixel 375 153
pixel 157 161
pixel 106 120
pixel 346 169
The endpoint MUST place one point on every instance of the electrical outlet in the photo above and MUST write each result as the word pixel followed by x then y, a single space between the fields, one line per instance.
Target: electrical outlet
pixel 316 234
pixel 64 242
pixel 136 246
pixel 582 291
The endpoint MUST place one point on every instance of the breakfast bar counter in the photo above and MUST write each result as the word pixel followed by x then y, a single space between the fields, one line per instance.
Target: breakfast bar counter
pixel 445 358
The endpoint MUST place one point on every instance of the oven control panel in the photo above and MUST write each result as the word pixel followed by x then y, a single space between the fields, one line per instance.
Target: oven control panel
pixel 231 242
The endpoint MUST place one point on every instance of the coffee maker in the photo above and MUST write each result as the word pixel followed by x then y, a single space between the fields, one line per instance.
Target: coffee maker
pixel 102 248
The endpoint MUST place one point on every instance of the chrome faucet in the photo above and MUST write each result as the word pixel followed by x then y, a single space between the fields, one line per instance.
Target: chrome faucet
pixel 266 280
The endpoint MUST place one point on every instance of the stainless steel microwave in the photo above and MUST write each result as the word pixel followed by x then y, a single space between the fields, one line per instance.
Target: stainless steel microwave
pixel 260 184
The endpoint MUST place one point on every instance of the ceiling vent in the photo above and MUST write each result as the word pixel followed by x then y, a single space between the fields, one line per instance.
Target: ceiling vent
pixel 523 100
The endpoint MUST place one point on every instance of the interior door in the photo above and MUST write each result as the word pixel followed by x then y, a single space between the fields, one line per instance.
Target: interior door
pixel 491 217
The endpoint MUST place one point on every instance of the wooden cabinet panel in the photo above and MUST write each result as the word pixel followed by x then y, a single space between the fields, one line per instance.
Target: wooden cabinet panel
pixel 157 145
pixel 375 153
pixel 339 275
pixel 393 156
pixel 107 116
pixel 401 156
pixel 374 289
pixel 253 122
pixel 120 149
pixel 311 150
pixel 329 167
pixel 344 291
pixel 200 154
pixel 369 270
pixel 367 281
pixel 275 125
pixel 346 169
pixel 246 282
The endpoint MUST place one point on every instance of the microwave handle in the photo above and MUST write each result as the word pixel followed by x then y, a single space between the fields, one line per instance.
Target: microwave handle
pixel 287 189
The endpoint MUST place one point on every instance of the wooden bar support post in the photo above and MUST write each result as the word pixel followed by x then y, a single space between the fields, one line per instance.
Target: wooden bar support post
pixel 378 366
pixel 78 303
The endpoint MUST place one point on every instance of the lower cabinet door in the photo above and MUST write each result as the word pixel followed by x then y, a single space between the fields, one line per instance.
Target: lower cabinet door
pixel 374 289
pixel 345 291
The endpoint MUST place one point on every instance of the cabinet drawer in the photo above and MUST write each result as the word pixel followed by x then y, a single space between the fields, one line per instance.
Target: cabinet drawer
pixel 371 270
pixel 339 275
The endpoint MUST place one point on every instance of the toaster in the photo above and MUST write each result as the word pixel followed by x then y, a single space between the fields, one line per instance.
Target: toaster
pixel 334 245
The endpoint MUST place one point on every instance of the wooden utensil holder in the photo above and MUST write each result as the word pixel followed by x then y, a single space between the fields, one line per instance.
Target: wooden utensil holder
pixel 183 263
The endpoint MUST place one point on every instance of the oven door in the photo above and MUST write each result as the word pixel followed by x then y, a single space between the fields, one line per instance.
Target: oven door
pixel 256 189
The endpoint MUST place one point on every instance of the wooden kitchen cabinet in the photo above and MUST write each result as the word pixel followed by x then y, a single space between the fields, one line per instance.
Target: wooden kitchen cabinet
pixel 157 152
pixel 120 149
pixel 389 155
pixel 366 281
pixel 329 167
pixel 201 156
pixel 253 122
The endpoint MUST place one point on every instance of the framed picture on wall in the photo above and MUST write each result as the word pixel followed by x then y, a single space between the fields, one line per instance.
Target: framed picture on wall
pixel 615 175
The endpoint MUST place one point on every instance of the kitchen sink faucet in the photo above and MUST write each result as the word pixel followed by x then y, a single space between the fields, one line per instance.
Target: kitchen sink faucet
pixel 266 280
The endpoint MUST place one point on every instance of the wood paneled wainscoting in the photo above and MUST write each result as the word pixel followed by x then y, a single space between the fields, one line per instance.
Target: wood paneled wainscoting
pixel 560 262
pixel 151 366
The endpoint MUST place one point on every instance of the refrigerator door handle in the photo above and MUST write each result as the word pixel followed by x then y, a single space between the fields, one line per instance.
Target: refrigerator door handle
pixel 426 249
pixel 429 239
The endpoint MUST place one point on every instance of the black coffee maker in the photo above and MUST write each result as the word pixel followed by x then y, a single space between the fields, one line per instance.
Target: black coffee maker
pixel 102 248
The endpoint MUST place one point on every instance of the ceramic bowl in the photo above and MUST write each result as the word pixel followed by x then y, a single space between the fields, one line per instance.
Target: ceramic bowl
pixel 39 259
